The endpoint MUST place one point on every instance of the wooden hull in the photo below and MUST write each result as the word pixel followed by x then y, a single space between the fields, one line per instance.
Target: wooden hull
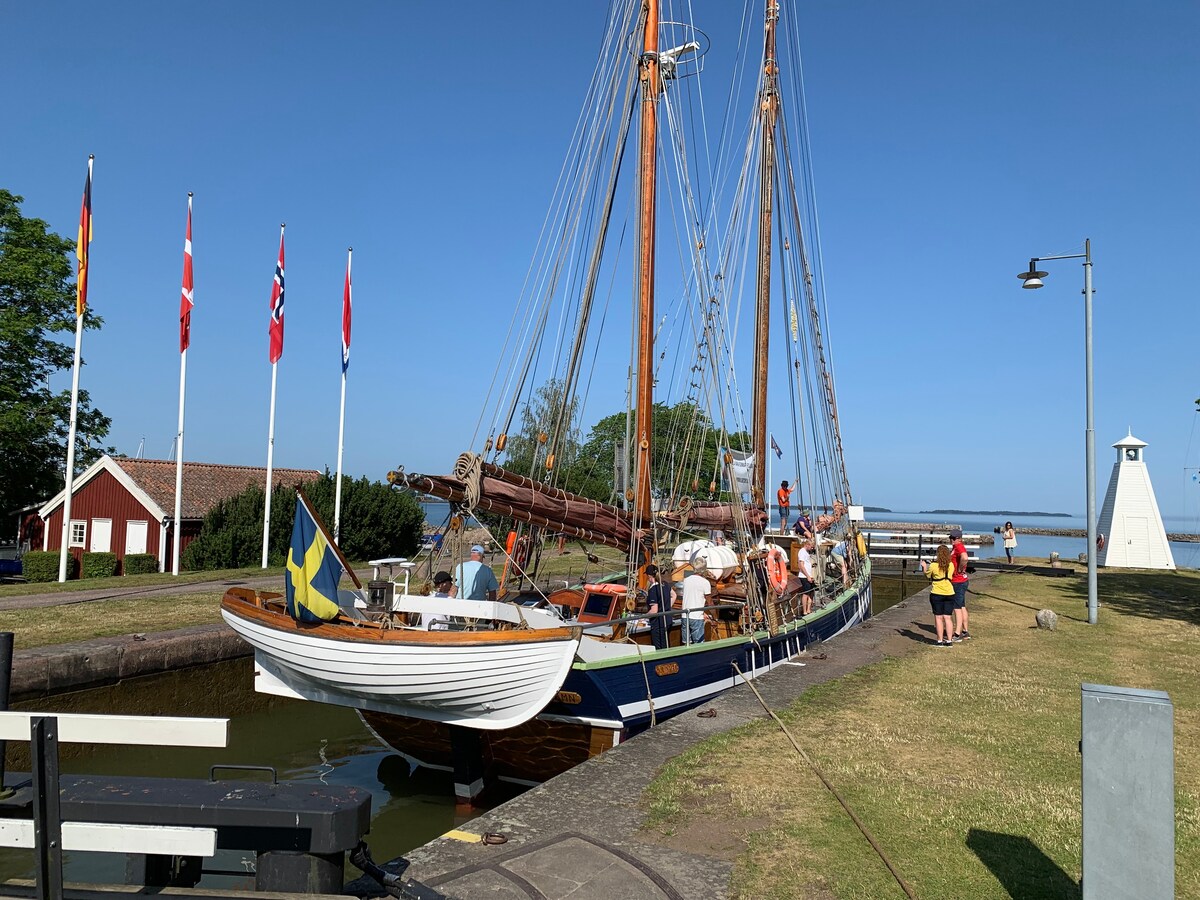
pixel 484 680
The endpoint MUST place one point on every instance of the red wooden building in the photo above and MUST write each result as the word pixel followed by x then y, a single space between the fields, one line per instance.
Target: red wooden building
pixel 127 505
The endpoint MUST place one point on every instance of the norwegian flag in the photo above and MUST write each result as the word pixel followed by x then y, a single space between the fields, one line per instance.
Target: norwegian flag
pixel 185 297
pixel 346 309
pixel 277 306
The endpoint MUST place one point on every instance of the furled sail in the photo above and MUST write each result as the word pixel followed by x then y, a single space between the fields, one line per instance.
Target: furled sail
pixel 731 517
pixel 479 485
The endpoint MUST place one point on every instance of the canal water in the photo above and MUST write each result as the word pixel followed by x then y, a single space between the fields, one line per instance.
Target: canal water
pixel 302 741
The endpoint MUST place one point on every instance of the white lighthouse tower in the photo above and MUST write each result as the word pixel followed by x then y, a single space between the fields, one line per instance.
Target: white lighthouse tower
pixel 1134 537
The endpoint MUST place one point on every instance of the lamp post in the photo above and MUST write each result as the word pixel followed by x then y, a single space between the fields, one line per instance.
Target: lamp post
pixel 1032 280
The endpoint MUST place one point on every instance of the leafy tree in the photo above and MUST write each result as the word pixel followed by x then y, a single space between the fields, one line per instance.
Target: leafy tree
pixel 377 521
pixel 526 455
pixel 37 304
pixel 685 441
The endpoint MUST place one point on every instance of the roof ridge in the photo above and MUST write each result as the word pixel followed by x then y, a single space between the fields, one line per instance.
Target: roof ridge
pixel 124 459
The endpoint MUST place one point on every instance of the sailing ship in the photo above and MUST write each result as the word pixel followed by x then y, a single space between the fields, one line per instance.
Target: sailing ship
pixel 693 495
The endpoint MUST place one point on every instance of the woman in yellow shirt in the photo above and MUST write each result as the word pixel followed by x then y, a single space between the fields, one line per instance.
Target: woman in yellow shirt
pixel 941 595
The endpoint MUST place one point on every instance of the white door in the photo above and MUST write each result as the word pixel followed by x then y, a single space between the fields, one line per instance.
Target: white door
pixel 135 536
pixel 101 535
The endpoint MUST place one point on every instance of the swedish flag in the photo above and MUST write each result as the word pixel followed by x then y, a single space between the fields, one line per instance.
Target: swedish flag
pixel 313 570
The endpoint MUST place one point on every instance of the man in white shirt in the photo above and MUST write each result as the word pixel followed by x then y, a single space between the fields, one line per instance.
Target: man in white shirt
pixel 805 561
pixel 696 591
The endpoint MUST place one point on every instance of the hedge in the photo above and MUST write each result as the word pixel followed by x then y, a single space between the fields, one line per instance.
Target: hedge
pixel 140 563
pixel 42 565
pixel 99 565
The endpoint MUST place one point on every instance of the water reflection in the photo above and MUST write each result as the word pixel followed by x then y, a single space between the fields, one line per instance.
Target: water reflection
pixel 302 741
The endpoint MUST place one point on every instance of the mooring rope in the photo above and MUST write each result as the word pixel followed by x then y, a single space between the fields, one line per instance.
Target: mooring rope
pixel 825 781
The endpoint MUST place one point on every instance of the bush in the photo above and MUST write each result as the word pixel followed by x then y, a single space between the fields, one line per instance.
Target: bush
pixel 99 565
pixel 376 521
pixel 42 565
pixel 140 563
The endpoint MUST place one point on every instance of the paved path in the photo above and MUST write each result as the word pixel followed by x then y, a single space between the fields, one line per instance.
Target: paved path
pixel 65 598
pixel 580 835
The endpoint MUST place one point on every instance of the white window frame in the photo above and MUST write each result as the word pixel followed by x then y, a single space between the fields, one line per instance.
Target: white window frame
pixel 82 542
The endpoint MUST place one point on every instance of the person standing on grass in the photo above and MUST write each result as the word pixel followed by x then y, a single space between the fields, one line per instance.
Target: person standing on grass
pixel 941 595
pixel 1010 540
pixel 958 556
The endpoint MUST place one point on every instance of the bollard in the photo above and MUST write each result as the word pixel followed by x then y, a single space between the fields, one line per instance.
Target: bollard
pixel 6 662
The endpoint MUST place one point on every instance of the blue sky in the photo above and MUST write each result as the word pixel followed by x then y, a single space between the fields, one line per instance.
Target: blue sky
pixel 951 142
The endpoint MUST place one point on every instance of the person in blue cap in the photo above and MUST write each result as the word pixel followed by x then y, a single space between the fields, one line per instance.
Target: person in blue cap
pixel 475 580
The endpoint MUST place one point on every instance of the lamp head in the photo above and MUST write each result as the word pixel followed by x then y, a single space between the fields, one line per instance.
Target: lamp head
pixel 1033 278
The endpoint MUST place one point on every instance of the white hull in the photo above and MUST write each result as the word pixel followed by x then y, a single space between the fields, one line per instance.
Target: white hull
pixel 490 685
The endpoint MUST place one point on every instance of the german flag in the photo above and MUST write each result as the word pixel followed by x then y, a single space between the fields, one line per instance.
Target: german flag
pixel 82 242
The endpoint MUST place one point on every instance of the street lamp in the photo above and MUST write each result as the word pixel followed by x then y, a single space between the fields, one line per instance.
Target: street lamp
pixel 1033 280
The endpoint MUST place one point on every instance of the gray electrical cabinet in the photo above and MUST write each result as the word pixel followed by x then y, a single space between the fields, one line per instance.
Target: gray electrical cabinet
pixel 1128 794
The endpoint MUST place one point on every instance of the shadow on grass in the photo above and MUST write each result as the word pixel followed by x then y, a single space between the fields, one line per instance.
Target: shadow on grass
pixel 1018 603
pixel 1021 866
pixel 1146 593
pixel 926 638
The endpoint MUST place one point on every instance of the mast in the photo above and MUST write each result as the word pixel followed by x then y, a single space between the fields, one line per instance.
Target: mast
pixel 762 311
pixel 648 63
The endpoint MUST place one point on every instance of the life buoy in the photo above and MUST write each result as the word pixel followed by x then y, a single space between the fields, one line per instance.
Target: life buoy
pixel 777 570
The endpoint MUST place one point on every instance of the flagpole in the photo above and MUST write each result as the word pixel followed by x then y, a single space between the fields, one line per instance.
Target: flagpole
pixel 276 331
pixel 66 528
pixel 80 299
pixel 187 289
pixel 270 458
pixel 770 484
pixel 337 502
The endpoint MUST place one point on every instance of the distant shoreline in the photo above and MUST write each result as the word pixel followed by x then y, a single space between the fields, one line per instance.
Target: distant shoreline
pixel 993 512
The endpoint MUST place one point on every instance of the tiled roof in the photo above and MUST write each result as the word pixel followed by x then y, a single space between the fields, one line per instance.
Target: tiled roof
pixel 204 484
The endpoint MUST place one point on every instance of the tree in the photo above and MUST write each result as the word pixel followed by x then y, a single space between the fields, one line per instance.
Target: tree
pixel 377 521
pixel 37 303
pixel 526 455
pixel 685 449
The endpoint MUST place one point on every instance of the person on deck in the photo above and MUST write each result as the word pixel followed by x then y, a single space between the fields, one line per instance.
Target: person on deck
pixel 803 528
pixel 696 591
pixel 1010 540
pixel 941 596
pixel 443 588
pixel 958 556
pixel 804 561
pixel 475 580
pixel 660 598
pixel 784 496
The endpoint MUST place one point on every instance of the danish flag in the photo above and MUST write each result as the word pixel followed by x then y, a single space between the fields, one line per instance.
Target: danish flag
pixel 346 309
pixel 185 298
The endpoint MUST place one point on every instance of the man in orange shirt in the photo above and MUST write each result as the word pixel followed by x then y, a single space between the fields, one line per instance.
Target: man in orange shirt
pixel 784 496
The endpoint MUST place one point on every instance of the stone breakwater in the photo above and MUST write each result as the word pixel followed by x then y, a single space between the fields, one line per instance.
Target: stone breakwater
pixel 985 538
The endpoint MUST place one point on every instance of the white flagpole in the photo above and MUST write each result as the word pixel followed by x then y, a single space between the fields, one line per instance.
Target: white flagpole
pixel 179 434
pixel 270 457
pixel 279 286
pixel 337 501
pixel 770 484
pixel 66 526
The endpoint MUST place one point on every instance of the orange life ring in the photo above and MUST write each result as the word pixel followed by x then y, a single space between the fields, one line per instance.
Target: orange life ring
pixel 777 570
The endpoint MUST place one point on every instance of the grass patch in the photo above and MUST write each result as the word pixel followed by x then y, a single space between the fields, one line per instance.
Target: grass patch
pixel 964 763
pixel 83 621
pixel 131 581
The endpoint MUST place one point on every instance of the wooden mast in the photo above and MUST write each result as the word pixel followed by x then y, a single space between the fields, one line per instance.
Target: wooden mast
pixel 760 491
pixel 647 196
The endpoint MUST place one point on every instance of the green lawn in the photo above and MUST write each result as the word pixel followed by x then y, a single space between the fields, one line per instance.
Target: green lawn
pixel 129 581
pixel 104 618
pixel 963 762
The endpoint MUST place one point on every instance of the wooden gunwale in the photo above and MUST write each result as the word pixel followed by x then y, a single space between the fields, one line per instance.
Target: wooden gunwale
pixel 236 603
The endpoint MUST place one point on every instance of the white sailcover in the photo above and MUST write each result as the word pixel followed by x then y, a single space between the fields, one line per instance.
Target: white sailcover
pixel 487 685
